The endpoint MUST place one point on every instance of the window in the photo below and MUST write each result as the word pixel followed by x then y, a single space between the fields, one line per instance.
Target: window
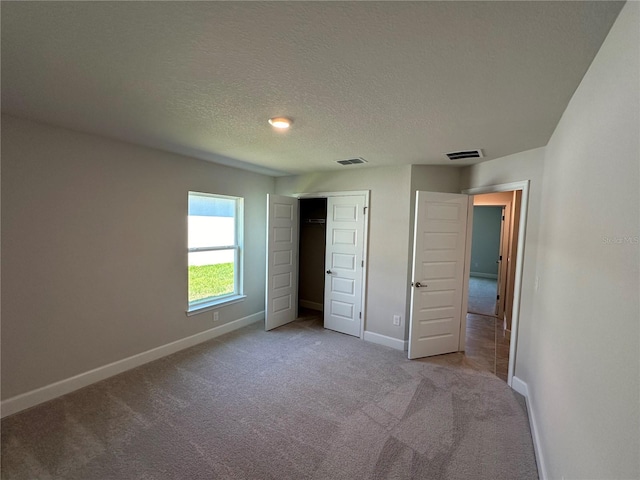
pixel 215 249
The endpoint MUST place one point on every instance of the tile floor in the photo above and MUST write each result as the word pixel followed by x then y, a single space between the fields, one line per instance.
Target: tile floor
pixel 487 344
pixel 487 347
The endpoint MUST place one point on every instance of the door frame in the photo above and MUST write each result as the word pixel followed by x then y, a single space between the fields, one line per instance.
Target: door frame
pixel 365 247
pixel 515 313
pixel 503 265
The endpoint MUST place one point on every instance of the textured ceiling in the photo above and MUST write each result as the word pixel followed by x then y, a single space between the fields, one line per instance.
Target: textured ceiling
pixel 394 82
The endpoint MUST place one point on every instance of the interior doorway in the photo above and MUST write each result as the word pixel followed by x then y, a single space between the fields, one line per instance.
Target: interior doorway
pixel 488 225
pixel 494 276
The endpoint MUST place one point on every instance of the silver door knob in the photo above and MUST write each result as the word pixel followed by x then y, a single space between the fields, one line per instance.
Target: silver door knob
pixel 329 272
pixel 418 285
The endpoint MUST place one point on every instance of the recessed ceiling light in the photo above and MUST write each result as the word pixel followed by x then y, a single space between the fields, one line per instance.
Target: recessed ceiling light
pixel 280 122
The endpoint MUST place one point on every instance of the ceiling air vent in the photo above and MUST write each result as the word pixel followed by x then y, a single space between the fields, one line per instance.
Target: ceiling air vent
pixel 465 154
pixel 352 161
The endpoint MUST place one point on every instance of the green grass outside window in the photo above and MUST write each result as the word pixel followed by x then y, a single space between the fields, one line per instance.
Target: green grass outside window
pixel 207 281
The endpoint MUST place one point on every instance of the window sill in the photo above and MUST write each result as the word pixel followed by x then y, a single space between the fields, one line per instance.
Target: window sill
pixel 214 304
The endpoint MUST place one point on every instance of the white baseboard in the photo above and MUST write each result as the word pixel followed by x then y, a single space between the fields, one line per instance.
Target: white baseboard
pixel 49 392
pixel 311 305
pixel 520 387
pixel 386 341
pixel 523 389
pixel 484 275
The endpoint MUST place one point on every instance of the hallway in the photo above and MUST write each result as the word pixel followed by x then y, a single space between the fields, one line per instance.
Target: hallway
pixel 488 344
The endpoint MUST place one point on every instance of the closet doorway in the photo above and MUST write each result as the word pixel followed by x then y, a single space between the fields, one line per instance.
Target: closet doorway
pixel 311 264
pixel 316 248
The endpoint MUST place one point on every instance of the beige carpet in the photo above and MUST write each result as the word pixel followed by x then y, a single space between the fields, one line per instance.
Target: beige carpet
pixel 299 402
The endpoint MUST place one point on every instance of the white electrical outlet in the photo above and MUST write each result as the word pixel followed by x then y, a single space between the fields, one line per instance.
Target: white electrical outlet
pixel 216 316
pixel 396 320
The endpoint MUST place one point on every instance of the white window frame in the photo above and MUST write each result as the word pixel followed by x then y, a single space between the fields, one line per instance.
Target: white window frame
pixel 237 295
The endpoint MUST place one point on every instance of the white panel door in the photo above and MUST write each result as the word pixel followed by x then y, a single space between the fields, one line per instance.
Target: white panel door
pixel 343 262
pixel 439 247
pixel 282 261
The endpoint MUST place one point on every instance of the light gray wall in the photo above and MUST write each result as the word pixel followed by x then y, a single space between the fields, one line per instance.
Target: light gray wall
pixel 583 366
pixel 485 241
pixel 94 250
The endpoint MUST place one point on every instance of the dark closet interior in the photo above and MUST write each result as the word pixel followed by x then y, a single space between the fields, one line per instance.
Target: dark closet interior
pixel 313 217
